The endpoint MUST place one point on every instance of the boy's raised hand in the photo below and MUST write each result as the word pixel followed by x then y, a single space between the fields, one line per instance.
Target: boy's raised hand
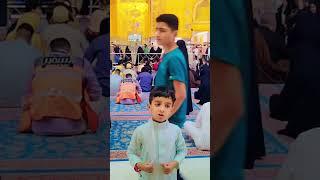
pixel 169 166
pixel 146 167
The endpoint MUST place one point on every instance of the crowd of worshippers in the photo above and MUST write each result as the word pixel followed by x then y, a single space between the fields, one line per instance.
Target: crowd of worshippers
pixel 127 83
pixel 295 39
pixel 63 77
pixel 143 74
pixel 276 41
pixel 153 53
pixel 144 53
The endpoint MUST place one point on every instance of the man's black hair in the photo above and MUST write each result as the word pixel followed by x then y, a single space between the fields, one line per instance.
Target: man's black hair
pixel 161 92
pixel 60 43
pixel 26 27
pixel 170 19
pixel 128 75
pixel 144 69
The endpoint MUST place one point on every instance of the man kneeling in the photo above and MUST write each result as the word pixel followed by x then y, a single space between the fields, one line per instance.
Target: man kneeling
pixel 129 91
pixel 61 87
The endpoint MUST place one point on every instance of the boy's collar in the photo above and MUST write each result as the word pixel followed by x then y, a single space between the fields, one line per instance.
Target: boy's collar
pixel 158 121
pixel 159 124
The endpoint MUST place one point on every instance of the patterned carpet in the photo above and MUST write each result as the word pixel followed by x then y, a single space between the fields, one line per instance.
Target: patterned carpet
pixel 28 154
pixel 28 146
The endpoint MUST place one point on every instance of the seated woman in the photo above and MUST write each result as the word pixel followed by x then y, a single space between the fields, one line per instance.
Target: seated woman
pixel 129 91
pixel 200 130
pixel 193 82
pixel 156 64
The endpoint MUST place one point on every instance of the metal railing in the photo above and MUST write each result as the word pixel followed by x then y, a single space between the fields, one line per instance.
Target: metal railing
pixel 141 56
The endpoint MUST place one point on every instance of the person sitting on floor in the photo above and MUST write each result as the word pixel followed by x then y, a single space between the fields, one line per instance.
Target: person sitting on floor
pixel 200 130
pixel 148 67
pixel 129 91
pixel 145 80
pixel 129 70
pixel 115 80
pixel 194 83
pixel 60 90
pixel 120 68
pixel 141 65
pixel 156 64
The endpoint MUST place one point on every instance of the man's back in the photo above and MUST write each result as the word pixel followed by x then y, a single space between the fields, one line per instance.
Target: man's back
pixel 98 50
pixel 16 56
pixel 49 125
pixel 145 80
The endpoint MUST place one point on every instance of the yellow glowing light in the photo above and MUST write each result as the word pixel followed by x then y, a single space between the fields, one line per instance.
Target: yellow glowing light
pixel 128 17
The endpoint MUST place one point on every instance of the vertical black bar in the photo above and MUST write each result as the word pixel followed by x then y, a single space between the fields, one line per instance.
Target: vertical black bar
pixel 255 141
pixel 3 13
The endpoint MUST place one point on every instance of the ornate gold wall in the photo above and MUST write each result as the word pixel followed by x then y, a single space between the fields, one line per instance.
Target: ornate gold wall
pixel 138 17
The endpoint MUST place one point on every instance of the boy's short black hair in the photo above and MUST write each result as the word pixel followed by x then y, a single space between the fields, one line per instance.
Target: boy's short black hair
pixel 162 92
pixel 170 19
pixel 117 71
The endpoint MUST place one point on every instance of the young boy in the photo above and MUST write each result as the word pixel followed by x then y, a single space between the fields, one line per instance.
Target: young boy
pixel 158 147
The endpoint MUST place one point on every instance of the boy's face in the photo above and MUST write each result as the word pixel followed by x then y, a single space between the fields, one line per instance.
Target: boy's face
pixel 161 108
pixel 164 34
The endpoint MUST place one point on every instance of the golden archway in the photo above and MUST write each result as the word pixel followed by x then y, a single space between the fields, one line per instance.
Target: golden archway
pixel 129 17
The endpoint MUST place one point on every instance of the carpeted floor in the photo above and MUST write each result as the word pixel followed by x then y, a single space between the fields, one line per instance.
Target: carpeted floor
pixel 28 154
pixel 268 167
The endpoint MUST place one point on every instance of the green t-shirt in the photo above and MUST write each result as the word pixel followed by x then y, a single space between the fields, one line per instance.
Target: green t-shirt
pixel 173 67
pixel 231 38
